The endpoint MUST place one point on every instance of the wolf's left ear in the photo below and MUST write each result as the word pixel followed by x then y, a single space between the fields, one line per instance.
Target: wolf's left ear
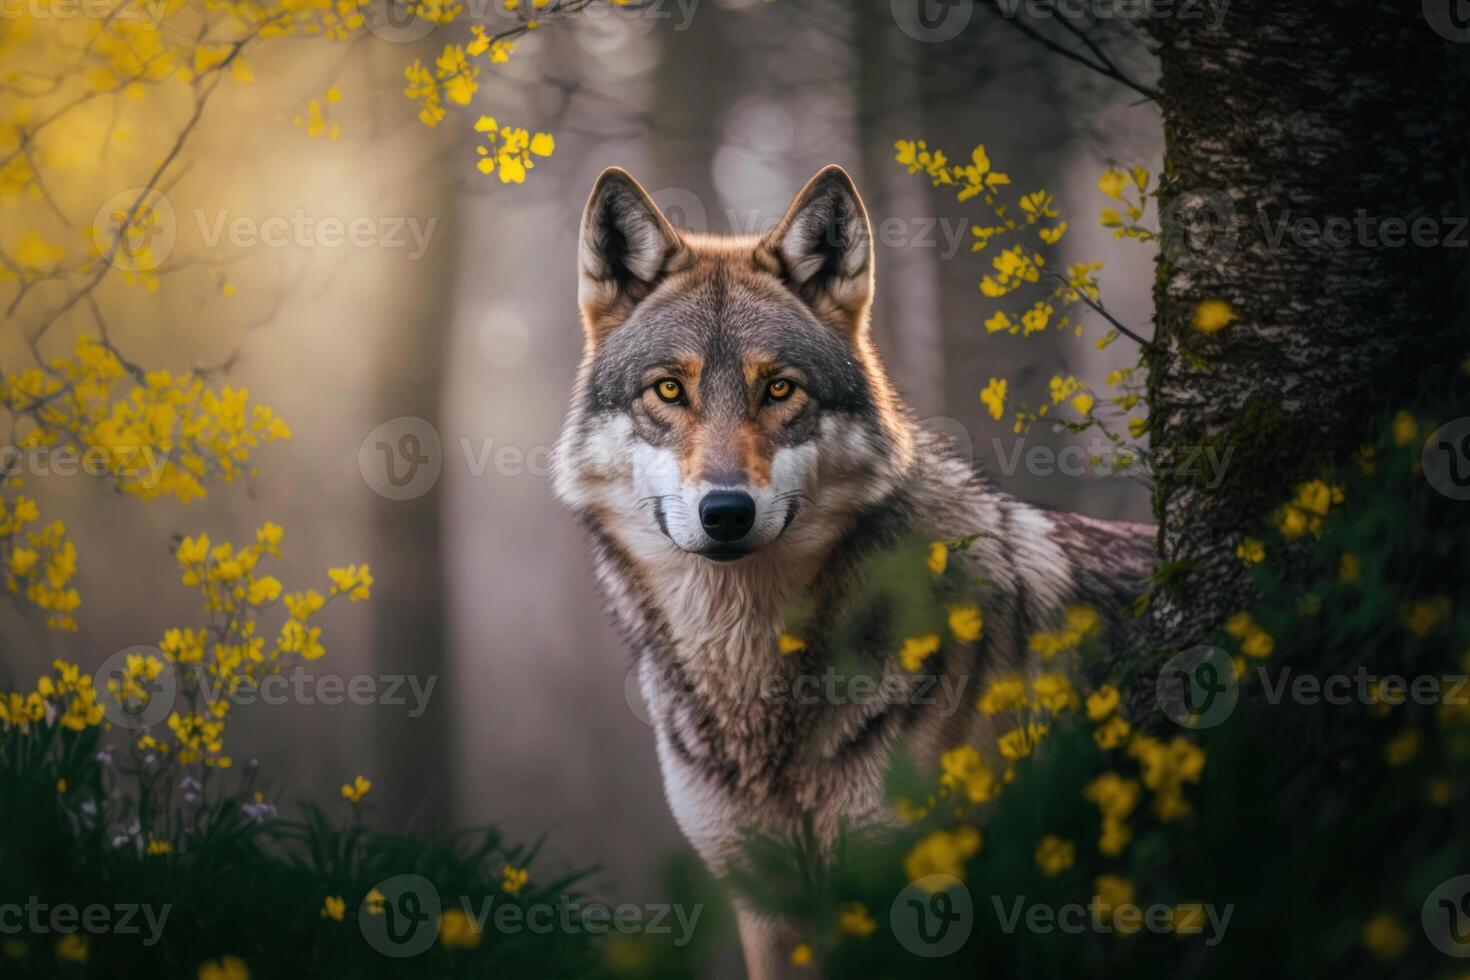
pixel 823 247
pixel 626 247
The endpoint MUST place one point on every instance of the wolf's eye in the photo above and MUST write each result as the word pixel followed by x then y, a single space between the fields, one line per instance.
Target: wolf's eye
pixel 780 390
pixel 669 390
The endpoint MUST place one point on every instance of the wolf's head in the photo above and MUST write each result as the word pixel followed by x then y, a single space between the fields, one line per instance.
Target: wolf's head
pixel 730 400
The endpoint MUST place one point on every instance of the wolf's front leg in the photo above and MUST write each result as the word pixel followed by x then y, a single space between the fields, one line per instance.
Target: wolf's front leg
pixel 767 944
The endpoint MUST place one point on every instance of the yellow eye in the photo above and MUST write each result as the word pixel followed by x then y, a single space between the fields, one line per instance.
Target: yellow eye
pixel 780 390
pixel 669 390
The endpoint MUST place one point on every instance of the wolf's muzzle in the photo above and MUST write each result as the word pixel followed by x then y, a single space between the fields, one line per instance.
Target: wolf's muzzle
pixel 727 515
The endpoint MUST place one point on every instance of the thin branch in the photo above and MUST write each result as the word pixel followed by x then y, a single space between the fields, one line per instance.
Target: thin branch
pixel 1103 66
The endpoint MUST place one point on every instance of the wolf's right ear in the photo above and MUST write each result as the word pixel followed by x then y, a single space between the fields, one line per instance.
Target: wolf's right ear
pixel 626 247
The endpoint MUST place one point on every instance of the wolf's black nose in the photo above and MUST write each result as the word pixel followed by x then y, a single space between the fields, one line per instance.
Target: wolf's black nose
pixel 727 515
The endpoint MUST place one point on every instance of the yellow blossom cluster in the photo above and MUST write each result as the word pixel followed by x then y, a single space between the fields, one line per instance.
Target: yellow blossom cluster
pixel 159 434
pixel 1304 513
pixel 65 696
pixel 230 651
pixel 38 565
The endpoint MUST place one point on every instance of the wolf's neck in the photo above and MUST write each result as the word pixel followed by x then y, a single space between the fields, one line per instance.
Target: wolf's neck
pixel 727 617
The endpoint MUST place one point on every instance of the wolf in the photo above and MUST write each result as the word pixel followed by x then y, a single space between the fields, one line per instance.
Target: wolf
pixel 734 446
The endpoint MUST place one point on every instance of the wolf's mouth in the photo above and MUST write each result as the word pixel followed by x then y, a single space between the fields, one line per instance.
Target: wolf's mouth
pixel 725 554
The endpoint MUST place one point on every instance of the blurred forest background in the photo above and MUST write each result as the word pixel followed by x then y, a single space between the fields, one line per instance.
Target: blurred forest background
pixel 722 108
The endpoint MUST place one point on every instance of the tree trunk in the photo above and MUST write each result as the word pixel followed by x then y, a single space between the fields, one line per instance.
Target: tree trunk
pixel 1289 113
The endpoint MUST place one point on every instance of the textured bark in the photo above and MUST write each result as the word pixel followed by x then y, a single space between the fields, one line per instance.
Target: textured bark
pixel 1294 111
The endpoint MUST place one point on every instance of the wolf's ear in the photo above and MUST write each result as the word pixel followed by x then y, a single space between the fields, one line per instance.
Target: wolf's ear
pixel 626 247
pixel 823 247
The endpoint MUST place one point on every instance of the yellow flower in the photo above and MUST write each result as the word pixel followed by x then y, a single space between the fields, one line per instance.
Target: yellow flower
pixel 917 649
pixel 966 623
pixel 1166 767
pixel 1425 615
pixel 457 930
pixel 224 968
pixel 801 955
pixel 963 769
pixel 1019 742
pixel 789 644
pixel 513 879
pixel 156 847
pixel 1113 183
pixel 1055 855
pixel 1384 937
pixel 942 852
pixel 1212 316
pixel 1252 551
pixel 1402 748
pixel 1006 693
pixel 1102 702
pixel 1254 641
pixel 1405 429
pixel 72 948
pixel 1054 692
pixel 1114 837
pixel 1112 891
pixel 993 397
pixel 1114 795
pixel 1112 733
pixel 354 791
pixel 937 558
pixel 375 901
pixel 1349 568
pixel 333 907
pixel 853 920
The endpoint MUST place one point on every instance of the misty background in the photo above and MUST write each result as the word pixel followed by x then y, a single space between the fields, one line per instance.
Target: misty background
pixel 722 109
